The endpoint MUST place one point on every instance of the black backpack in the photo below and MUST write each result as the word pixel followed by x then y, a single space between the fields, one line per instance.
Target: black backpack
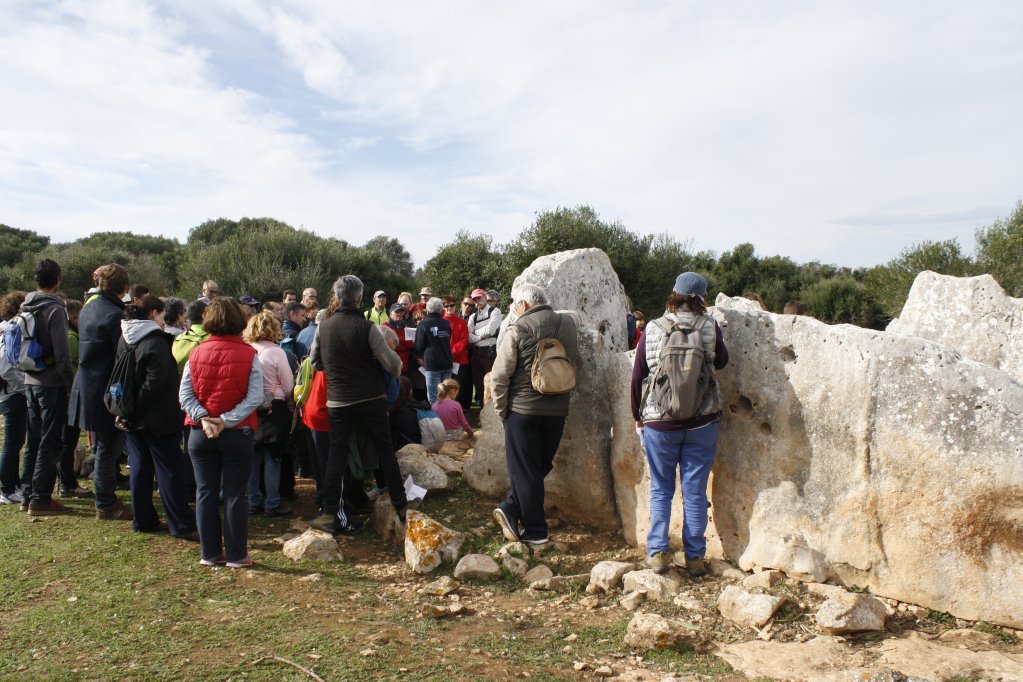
pixel 122 390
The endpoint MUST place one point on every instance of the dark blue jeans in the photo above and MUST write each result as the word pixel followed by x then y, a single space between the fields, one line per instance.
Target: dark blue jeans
pixel 226 459
pixel 108 446
pixel 15 413
pixel 150 454
pixel 530 443
pixel 47 414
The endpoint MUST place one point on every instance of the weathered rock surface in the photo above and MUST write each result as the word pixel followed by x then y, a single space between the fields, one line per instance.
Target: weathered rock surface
pixel 747 608
pixel 428 544
pixel 312 545
pixel 972 315
pixel 822 659
pixel 537 573
pixel 914 655
pixel 650 631
pixel 850 613
pixel 580 486
pixel 477 567
pixel 632 600
pixel 417 461
pixel 514 565
pixel 657 587
pixel 441 587
pixel 607 575
pixel 879 459
pixel 385 521
pixel 764 580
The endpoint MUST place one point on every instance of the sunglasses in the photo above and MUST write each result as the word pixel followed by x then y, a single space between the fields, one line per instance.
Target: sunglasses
pixel 449 305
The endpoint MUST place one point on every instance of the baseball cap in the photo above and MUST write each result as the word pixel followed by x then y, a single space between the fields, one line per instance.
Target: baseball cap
pixel 689 283
pixel 426 291
pixel 396 306
pixel 476 293
pixel 379 294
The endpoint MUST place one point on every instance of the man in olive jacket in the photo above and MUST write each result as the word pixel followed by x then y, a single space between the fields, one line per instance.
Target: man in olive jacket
pixel 533 422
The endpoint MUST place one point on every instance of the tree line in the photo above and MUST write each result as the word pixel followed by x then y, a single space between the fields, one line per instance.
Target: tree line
pixel 263 256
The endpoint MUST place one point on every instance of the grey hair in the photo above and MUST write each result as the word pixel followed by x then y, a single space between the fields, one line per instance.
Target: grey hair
pixel 348 289
pixel 531 294
pixel 434 305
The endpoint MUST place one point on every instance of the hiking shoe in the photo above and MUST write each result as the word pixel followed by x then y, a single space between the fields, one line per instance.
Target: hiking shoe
pixel 51 508
pixel 12 498
pixel 219 561
pixel 244 563
pixel 77 492
pixel 118 511
pixel 255 508
pixel 324 521
pixel 658 563
pixel 534 542
pixel 695 566
pixel 192 536
pixel 508 529
pixel 160 527
pixel 282 509
pixel 352 529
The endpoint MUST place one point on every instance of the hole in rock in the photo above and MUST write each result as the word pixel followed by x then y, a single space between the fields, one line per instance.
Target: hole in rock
pixel 742 406
pixel 765 429
pixel 788 355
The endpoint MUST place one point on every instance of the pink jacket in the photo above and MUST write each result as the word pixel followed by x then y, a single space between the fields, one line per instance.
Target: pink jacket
pixel 278 380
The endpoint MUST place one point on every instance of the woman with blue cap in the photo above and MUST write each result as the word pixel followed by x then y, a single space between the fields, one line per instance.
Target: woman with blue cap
pixel 676 404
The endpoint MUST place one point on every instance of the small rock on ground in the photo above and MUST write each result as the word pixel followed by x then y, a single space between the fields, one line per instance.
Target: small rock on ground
pixel 764 580
pixel 516 566
pixel 650 631
pixel 747 608
pixel 632 600
pixel 657 587
pixel 312 545
pixel 477 567
pixel 541 572
pixel 607 575
pixel 850 613
pixel 441 587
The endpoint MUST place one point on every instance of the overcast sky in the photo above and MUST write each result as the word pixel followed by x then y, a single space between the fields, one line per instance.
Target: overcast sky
pixel 832 131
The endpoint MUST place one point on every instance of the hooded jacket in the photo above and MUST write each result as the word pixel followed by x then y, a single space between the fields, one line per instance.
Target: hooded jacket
pixel 51 331
pixel 156 374
pixel 99 332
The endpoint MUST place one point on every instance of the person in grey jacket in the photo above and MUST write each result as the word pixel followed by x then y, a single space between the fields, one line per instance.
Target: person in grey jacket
pixel 46 391
pixel 533 422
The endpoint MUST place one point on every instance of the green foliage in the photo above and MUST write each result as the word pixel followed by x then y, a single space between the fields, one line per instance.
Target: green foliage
pixel 842 300
pixel 396 255
pixel 15 244
pixel 1000 251
pixel 889 284
pixel 467 262
pixel 1004 636
pixel 261 257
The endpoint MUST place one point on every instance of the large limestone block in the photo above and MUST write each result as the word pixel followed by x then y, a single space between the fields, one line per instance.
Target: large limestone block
pixel 878 459
pixel 416 461
pixel 972 315
pixel 628 461
pixel 581 486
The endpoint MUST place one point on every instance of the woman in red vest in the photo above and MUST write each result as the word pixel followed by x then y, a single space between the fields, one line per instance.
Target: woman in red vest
pixel 221 388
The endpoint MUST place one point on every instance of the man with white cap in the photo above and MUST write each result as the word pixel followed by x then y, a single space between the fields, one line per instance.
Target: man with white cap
pixel 679 425
pixel 378 314
pixel 484 324
pixel 425 294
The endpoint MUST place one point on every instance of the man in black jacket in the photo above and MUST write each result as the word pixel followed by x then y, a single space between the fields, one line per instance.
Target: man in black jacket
pixel 433 347
pixel 99 331
pixel 46 391
pixel 353 355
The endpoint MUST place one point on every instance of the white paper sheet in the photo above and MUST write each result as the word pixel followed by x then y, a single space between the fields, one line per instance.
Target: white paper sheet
pixel 413 491
pixel 410 333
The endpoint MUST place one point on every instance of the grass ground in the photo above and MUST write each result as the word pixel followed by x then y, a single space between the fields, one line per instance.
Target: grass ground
pixel 88 599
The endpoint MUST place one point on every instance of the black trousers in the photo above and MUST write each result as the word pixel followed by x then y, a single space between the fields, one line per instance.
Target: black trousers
pixel 464 378
pixel 372 417
pixel 482 360
pixel 530 443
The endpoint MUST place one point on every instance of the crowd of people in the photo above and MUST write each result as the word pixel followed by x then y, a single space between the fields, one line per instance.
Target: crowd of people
pixel 222 401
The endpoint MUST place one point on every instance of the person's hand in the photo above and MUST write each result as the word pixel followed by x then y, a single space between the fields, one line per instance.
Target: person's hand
pixel 639 428
pixel 212 426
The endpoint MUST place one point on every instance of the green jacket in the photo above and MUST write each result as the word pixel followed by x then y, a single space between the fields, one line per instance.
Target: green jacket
pixel 377 317
pixel 185 343
pixel 72 343
pixel 510 379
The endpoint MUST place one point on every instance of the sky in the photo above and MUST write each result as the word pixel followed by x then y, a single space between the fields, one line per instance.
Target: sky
pixel 839 131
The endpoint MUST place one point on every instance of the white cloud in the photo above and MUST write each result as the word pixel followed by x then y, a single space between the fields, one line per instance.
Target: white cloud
pixel 763 123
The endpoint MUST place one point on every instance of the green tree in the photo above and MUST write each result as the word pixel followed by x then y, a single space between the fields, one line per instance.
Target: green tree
pixel 396 255
pixel 665 259
pixel 15 244
pixel 467 262
pixel 1000 251
pixel 842 300
pixel 889 284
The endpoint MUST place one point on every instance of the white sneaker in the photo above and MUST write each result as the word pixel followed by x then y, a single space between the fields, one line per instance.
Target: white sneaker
pixel 13 498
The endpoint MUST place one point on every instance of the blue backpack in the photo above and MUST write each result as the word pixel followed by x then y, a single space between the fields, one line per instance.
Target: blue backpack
pixel 21 344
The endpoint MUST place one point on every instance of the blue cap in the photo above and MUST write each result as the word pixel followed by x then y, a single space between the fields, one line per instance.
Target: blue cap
pixel 689 283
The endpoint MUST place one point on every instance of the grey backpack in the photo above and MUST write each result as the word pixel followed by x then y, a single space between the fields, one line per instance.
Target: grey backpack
pixel 680 383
